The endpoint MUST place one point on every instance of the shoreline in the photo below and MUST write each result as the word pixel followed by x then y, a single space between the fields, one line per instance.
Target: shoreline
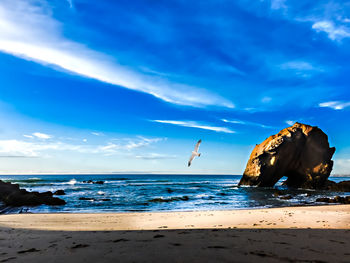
pixel 316 217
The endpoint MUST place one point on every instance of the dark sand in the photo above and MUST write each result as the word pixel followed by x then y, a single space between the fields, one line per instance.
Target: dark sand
pixel 324 237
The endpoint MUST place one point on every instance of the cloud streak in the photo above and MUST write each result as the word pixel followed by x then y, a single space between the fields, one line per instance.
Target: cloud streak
pixel 28 31
pixel 247 123
pixel 335 105
pixel 20 148
pixel 300 68
pixel 155 156
pixel 334 32
pixel 198 125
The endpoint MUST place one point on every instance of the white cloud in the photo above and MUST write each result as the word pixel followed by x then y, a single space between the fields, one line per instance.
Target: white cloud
pixel 247 123
pixel 11 148
pixel 342 166
pixel 97 133
pixel 334 32
pixel 17 148
pixel 335 105
pixel 155 156
pixel 114 148
pixel 28 136
pixel 193 124
pixel 42 135
pixel 289 122
pixel 30 32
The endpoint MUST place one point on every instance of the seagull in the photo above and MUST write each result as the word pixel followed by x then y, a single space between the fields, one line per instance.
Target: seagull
pixel 194 153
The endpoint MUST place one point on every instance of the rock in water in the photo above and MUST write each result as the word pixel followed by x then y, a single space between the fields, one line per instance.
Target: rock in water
pixel 300 152
pixel 12 195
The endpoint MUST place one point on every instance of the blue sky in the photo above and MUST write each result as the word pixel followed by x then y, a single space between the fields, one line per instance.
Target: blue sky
pixel 130 86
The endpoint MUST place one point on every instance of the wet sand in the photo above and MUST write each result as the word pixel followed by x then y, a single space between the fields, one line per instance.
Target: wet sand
pixel 294 234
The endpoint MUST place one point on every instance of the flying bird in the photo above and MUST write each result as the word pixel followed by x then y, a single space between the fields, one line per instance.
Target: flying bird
pixel 194 153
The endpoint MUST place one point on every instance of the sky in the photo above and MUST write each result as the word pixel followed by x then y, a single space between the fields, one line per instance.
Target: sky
pixel 130 86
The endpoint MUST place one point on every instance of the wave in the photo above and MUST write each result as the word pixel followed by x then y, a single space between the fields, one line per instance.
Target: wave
pixel 167 200
pixel 72 182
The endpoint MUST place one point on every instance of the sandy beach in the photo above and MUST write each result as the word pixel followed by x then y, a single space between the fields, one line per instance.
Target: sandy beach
pixel 293 234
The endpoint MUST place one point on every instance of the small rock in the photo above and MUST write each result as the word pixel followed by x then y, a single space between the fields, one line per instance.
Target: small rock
pixel 286 197
pixel 278 193
pixel 336 199
pixel 343 186
pixel 59 192
pixel 93 182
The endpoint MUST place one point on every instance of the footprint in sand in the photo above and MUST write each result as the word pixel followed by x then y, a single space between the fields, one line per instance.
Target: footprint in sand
pixel 80 246
pixel 218 247
pixel 7 259
pixel 28 251
pixel 176 244
pixel 120 240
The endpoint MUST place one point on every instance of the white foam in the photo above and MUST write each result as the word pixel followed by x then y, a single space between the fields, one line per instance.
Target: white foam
pixel 72 182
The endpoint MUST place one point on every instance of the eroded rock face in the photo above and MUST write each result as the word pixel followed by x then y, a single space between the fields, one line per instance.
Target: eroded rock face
pixel 343 186
pixel 12 195
pixel 300 152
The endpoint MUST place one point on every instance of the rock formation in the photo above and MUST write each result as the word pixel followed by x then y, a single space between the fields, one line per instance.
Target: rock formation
pixel 12 195
pixel 343 186
pixel 337 199
pixel 300 152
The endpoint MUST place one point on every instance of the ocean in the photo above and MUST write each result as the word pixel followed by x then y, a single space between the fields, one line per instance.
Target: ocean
pixel 149 192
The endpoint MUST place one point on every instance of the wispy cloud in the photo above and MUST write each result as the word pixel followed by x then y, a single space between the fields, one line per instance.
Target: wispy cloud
pixel 97 133
pixel 289 122
pixel 342 166
pixel 155 156
pixel 29 31
pixel 300 68
pixel 19 148
pixel 198 125
pixel 70 2
pixel 114 148
pixel 335 105
pixel 248 123
pixel 38 135
pixel 278 4
pixel 42 135
pixel 334 32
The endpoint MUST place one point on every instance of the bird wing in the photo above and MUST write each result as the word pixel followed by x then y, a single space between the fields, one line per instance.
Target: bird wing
pixel 190 160
pixel 197 146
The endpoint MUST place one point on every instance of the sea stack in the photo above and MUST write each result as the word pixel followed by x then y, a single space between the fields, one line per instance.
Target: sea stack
pixel 300 152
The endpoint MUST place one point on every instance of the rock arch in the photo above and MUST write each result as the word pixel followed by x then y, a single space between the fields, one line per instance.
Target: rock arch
pixel 300 152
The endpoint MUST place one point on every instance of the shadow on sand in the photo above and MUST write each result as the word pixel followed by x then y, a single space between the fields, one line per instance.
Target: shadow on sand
pixel 195 245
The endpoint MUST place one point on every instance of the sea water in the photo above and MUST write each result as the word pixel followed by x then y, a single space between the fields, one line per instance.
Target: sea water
pixel 149 192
